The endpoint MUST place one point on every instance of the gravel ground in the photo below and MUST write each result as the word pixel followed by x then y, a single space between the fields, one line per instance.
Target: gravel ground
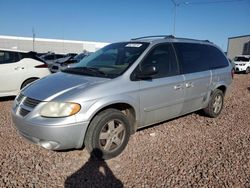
pixel 190 151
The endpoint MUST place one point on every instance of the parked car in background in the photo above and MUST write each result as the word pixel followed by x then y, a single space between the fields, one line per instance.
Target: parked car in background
pixel 18 69
pixel 64 63
pixel 50 58
pixel 242 63
pixel 107 96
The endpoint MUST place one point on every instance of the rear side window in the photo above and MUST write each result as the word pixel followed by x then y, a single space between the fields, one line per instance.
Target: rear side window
pixel 8 57
pixel 192 57
pixel 216 58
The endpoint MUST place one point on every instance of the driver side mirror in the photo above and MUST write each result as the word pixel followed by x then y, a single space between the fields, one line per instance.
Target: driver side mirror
pixel 147 72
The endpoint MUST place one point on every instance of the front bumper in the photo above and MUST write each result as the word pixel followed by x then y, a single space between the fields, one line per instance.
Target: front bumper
pixel 240 68
pixel 57 137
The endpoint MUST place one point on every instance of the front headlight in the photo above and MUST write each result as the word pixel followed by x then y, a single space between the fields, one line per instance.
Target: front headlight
pixel 58 109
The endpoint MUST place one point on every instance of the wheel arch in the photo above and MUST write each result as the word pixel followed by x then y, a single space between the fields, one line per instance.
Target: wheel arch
pixel 31 78
pixel 126 108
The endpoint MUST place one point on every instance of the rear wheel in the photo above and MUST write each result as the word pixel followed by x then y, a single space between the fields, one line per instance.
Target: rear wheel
pixel 108 134
pixel 215 104
pixel 27 82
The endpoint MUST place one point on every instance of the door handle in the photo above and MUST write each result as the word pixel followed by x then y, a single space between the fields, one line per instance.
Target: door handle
pixel 189 84
pixel 178 87
pixel 18 68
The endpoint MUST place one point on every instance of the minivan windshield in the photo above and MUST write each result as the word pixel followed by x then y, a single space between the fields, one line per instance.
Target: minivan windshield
pixel 240 58
pixel 110 61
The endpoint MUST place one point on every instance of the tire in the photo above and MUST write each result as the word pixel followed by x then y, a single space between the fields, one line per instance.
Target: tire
pixel 247 70
pixel 114 128
pixel 215 104
pixel 27 82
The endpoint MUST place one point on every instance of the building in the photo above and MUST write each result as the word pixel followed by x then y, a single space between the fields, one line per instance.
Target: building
pixel 42 45
pixel 239 45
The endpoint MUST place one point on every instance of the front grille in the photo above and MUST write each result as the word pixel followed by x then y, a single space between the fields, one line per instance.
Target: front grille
pixel 23 112
pixel 25 105
pixel 31 103
pixel 20 97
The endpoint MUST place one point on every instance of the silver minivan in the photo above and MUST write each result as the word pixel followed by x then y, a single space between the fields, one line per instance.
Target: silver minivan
pixel 123 87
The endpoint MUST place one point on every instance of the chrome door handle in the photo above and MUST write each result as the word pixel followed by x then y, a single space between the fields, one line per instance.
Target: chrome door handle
pixel 189 84
pixel 178 87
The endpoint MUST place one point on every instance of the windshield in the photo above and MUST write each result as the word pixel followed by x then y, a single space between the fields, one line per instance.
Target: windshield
pixel 79 57
pixel 110 61
pixel 244 59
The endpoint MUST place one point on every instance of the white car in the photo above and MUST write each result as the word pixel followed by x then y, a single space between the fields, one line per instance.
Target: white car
pixel 18 69
pixel 242 63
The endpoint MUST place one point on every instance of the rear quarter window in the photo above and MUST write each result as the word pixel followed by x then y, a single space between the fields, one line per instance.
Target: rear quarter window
pixel 217 58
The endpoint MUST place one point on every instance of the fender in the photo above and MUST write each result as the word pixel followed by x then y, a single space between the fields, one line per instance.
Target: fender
pixel 102 103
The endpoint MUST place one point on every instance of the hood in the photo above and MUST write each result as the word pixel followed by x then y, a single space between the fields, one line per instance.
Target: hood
pixel 56 84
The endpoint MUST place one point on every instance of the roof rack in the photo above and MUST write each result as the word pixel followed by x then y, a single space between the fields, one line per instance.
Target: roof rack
pixel 155 36
pixel 169 37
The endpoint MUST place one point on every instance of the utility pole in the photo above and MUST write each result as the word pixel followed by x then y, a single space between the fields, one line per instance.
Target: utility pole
pixel 33 36
pixel 176 4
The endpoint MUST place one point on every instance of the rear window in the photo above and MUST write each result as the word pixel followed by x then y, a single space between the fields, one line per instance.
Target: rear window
pixel 192 57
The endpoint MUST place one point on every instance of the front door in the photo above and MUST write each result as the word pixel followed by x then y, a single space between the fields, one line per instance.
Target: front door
pixel 161 96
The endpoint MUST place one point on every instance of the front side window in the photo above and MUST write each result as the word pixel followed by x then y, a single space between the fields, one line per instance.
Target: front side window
pixel 110 61
pixel 192 57
pixel 162 57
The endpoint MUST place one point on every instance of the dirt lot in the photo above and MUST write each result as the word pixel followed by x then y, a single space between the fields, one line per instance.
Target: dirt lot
pixel 189 151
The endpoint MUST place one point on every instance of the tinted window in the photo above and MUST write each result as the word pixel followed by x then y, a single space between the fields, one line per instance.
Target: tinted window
pixel 216 58
pixel 163 58
pixel 192 57
pixel 49 57
pixel 8 57
pixel 58 56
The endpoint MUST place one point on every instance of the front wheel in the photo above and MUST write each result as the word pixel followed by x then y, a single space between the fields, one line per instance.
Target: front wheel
pixel 108 134
pixel 247 70
pixel 215 104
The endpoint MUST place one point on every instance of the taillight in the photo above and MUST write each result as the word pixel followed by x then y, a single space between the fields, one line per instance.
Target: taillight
pixel 44 65
pixel 232 73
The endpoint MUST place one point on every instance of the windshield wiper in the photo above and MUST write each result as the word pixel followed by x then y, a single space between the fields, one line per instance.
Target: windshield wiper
pixel 95 70
pixel 91 71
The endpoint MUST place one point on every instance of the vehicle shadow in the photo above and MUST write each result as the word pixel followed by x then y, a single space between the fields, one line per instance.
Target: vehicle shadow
pixel 248 88
pixel 4 99
pixel 94 173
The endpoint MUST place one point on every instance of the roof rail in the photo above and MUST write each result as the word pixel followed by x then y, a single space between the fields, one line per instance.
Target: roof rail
pixel 155 36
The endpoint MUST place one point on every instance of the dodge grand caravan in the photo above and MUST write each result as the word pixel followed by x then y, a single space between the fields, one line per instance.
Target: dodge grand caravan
pixel 123 87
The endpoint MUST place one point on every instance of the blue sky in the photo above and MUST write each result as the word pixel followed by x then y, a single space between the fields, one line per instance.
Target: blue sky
pixel 117 20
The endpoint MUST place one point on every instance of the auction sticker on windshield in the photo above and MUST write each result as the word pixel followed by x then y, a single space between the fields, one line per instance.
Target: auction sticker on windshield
pixel 135 45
